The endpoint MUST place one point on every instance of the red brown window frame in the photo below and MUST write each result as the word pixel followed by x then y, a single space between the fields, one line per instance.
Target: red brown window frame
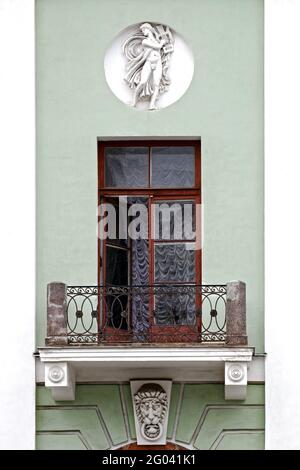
pixel 163 193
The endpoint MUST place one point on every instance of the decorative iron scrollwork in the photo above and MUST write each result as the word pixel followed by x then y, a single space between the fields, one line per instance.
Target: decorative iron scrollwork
pixel 180 313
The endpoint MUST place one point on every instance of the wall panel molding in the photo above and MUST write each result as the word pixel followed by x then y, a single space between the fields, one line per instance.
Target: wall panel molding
pixel 234 420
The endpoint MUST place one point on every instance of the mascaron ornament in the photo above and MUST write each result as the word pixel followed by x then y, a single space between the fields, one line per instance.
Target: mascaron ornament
pixel 148 53
pixel 151 404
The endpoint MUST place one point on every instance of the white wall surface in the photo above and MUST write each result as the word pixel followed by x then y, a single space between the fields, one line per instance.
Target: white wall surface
pixel 282 179
pixel 17 247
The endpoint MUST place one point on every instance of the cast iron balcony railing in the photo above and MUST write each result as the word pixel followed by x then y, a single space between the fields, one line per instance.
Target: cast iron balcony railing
pixel 96 315
pixel 146 314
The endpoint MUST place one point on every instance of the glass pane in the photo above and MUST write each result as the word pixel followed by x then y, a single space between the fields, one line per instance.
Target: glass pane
pixel 174 262
pixel 126 167
pixel 173 167
pixel 115 221
pixel 175 305
pixel 175 220
pixel 139 275
pixel 116 303
pixel 116 266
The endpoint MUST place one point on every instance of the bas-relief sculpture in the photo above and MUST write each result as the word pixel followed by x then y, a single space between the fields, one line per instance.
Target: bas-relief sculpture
pixel 151 401
pixel 148 65
pixel 148 53
pixel 151 404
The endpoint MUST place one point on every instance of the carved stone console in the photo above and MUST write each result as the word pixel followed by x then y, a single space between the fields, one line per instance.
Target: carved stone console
pixel 60 377
pixel 235 380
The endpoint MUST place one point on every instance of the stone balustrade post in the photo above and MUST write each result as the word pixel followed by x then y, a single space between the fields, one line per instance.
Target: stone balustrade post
pixel 236 333
pixel 56 314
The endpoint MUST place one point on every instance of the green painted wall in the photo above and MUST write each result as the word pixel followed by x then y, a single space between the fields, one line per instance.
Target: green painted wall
pixel 224 105
pixel 101 417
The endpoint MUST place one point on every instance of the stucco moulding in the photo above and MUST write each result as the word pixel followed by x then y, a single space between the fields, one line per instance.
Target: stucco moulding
pixel 148 66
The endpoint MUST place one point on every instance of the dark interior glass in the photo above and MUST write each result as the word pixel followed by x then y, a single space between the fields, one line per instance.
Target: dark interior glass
pixel 117 221
pixel 117 275
pixel 173 167
pixel 126 167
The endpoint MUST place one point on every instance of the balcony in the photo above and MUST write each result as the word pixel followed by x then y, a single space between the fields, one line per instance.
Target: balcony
pixel 93 315
pixel 119 332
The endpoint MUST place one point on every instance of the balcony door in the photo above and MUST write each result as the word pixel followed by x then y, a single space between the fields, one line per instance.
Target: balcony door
pixel 149 264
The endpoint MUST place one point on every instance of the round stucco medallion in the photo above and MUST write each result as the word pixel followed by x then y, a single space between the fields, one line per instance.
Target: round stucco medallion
pixel 236 373
pixel 56 374
pixel 148 66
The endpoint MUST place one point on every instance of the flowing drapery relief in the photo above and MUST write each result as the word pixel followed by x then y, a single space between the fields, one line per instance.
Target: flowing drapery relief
pixel 148 53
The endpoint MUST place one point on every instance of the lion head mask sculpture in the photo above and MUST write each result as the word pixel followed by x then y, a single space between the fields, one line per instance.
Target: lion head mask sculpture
pixel 151 405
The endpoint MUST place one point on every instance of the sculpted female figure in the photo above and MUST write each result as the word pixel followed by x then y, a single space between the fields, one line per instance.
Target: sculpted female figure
pixel 148 55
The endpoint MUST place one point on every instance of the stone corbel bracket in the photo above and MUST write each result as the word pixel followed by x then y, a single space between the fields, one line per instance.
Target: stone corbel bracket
pixel 60 377
pixel 236 380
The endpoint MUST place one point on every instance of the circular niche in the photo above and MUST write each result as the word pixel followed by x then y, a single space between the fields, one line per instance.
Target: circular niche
pixel 153 56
